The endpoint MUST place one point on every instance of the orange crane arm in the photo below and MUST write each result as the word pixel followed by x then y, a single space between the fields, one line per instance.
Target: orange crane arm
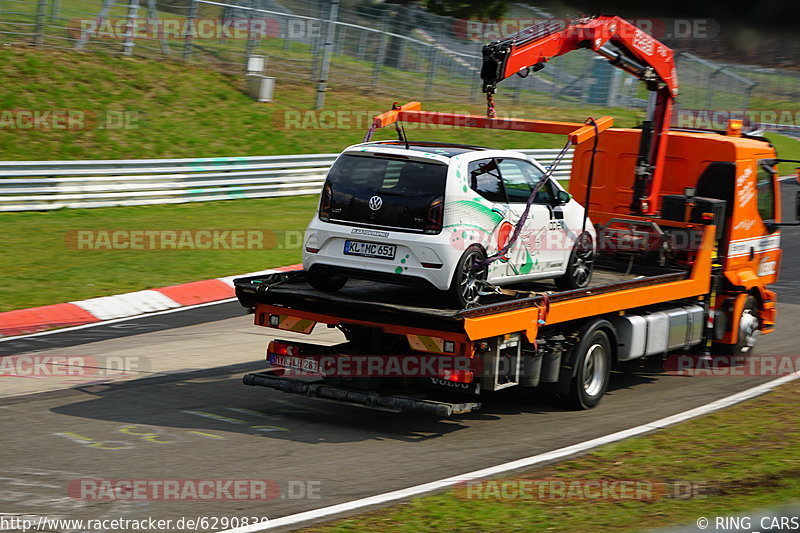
pixel 637 53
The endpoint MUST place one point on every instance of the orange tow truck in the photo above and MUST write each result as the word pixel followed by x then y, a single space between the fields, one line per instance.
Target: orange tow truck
pixel 688 242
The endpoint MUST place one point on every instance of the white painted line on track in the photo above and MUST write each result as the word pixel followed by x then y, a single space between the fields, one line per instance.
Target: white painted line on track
pixel 325 512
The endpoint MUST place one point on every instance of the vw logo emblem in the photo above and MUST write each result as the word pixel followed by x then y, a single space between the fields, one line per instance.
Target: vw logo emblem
pixel 375 203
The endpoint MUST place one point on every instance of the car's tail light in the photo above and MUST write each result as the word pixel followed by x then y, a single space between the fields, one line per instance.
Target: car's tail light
pixel 312 250
pixel 325 203
pixel 435 217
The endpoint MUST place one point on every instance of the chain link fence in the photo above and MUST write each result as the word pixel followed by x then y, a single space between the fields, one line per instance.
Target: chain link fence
pixel 387 48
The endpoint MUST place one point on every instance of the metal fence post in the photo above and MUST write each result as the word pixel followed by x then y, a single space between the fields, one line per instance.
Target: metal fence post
pixel 432 68
pixel 381 55
pixel 326 57
pixel 41 10
pixel 362 45
pixel 251 40
pixel 127 46
pixel 190 30
pixel 55 10
pixel 287 41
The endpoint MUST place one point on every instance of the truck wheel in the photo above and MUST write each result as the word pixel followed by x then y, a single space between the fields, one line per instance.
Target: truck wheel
pixel 467 280
pixel 325 282
pixel 592 371
pixel 748 332
pixel 580 266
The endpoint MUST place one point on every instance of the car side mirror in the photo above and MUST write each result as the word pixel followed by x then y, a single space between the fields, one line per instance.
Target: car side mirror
pixel 562 197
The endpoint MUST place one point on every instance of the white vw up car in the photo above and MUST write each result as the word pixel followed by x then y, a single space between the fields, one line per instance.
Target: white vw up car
pixel 430 213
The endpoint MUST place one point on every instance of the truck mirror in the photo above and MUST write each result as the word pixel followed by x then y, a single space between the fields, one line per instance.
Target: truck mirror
pixel 563 197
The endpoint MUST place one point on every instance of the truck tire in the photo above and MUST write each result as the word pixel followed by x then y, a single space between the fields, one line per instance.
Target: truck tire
pixel 587 381
pixel 325 282
pixel 467 279
pixel 748 332
pixel 580 266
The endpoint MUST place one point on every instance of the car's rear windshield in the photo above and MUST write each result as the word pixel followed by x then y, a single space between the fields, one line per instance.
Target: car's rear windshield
pixel 405 187
pixel 375 173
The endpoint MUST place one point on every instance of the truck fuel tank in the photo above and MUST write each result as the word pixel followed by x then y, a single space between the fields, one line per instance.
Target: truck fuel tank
pixel 658 331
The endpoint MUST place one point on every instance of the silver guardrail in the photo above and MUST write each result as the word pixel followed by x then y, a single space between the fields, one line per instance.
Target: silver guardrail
pixel 45 185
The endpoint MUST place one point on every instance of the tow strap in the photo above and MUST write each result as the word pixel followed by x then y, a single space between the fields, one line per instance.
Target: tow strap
pixel 548 173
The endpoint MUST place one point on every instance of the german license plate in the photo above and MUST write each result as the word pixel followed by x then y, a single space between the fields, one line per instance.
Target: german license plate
pixel 303 364
pixel 370 249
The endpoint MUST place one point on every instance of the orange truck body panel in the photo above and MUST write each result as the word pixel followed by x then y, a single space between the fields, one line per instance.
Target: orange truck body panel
pixel 752 256
pixel 527 320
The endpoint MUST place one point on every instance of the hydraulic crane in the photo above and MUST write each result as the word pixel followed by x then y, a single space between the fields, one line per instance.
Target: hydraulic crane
pixel 626 47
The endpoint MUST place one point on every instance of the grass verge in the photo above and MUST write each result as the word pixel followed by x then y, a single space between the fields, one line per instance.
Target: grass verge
pixel 739 459
pixel 787 148
pixel 179 110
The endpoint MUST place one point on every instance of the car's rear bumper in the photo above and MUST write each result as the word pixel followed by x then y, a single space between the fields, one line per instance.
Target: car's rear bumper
pixel 420 260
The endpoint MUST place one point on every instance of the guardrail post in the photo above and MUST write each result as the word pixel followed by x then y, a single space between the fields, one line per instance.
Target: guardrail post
pixel 190 29
pixel 127 46
pixel 326 57
pixel 41 10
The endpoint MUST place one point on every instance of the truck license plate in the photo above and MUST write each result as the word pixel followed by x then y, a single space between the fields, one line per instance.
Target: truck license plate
pixel 303 364
pixel 370 249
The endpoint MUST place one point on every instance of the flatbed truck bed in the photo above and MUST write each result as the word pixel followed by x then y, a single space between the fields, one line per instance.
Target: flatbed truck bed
pixel 363 299
pixel 530 336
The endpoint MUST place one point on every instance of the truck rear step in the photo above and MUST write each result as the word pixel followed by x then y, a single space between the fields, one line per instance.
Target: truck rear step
pixel 325 391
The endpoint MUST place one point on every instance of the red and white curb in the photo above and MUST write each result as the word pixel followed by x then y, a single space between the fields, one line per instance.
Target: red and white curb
pixel 130 304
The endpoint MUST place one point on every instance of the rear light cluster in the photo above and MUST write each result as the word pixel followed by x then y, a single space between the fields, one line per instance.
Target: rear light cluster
pixel 459 376
pixel 282 348
pixel 325 203
pixel 435 217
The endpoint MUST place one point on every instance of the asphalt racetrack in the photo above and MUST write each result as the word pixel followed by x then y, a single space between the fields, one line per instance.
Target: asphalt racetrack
pixel 198 421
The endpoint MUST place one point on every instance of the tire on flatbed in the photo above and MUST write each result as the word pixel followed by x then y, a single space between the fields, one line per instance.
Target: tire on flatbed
pixel 580 267
pixel 466 282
